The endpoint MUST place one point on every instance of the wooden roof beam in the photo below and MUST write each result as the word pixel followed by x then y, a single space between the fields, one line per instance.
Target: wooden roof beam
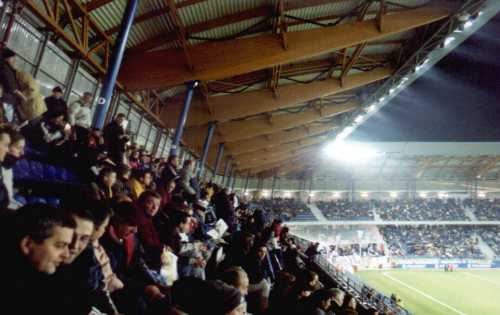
pixel 282 158
pixel 234 106
pixel 245 129
pixel 218 60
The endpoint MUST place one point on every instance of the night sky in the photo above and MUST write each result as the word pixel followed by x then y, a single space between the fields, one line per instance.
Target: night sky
pixel 456 100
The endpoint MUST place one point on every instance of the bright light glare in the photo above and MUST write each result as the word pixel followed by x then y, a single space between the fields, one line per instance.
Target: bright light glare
pixel 422 65
pixel 336 195
pixel 311 195
pixel 350 152
pixel 372 108
pixel 468 24
pixel 442 195
pixel 266 193
pixel 394 194
pixel 359 119
pixel 481 195
pixel 287 194
pixel 364 195
pixel 246 193
pixel 448 40
pixel 423 195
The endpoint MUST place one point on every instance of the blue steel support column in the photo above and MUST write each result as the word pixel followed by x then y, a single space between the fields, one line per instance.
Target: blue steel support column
pixel 226 171
pixel 234 181
pixel 114 65
pixel 229 176
pixel 206 147
pixel 273 186
pixel 218 159
pixel 183 117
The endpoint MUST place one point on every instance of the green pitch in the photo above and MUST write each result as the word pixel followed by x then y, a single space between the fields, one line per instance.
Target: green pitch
pixel 434 292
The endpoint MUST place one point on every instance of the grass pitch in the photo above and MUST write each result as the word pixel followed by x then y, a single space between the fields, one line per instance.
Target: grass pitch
pixel 435 292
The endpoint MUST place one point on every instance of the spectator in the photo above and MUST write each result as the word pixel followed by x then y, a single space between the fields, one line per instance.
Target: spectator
pixel 169 171
pixel 55 103
pixel 11 95
pixel 318 303
pixel 38 242
pixel 236 277
pixel 224 208
pixel 6 182
pixel 166 191
pixel 349 305
pixel 147 207
pixel 257 268
pixel 115 138
pixel 337 301
pixel 79 116
pixel 121 187
pixel 103 188
pixel 184 181
pixel 139 182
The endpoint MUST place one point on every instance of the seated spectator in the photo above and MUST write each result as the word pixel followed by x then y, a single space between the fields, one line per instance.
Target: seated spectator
pixel 257 268
pixel 236 277
pixel 169 171
pixel 337 301
pixel 37 242
pixel 124 251
pixel 147 207
pixel 349 305
pixel 139 182
pixel 166 191
pixel 5 144
pixel 318 303
pixel 103 188
pixel 121 187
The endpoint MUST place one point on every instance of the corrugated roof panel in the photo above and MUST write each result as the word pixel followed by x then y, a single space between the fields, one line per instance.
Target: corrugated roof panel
pixel 208 10
pixel 228 30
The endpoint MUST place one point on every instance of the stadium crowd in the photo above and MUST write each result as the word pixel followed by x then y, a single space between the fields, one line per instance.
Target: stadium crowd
pixel 343 209
pixel 432 241
pixel 485 209
pixel 283 208
pixel 135 235
pixel 421 210
pixel 491 235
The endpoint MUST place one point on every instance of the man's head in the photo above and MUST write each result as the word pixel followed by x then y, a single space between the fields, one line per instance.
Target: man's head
pixel 149 202
pixel 124 172
pixel 83 230
pixel 108 177
pixel 9 56
pixel 180 219
pixel 188 164
pixel 322 298
pixel 44 234
pixel 102 215
pixel 170 186
pixel 338 296
pixel 124 220
pixel 173 160
pixel 120 118
pixel 57 92
pixel 87 98
pixel 237 277
pixel 4 143
pixel 261 251
pixel 17 143
pixel 146 178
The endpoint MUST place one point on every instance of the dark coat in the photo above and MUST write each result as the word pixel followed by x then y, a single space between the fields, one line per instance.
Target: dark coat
pixel 225 210
pixel 8 81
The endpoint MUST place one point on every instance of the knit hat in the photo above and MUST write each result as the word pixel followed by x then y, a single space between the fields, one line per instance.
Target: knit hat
pixel 7 53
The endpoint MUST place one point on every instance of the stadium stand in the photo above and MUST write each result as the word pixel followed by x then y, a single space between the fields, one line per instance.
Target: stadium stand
pixel 487 209
pixel 105 210
pixel 346 210
pixel 430 241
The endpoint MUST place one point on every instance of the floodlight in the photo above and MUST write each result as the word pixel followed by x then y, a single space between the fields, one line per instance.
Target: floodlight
pixel 448 40
pixel 423 195
pixel 336 195
pixel 372 108
pixel 422 65
pixel 364 195
pixel 311 195
pixel 287 194
pixel 442 195
pixel 359 119
pixel 246 193
pixel 394 194
pixel 481 195
pixel 265 193
pixel 350 152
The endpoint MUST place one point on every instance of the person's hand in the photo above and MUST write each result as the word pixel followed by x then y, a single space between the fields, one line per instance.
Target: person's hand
pixel 153 292
pixel 200 262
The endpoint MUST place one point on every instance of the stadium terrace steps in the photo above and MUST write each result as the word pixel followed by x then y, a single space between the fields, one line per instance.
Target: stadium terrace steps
pixel 316 212
pixel 305 216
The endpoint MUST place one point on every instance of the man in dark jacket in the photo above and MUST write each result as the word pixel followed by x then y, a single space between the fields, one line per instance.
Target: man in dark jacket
pixel 169 171
pixel 55 103
pixel 115 138
pixel 224 209
pixel 35 242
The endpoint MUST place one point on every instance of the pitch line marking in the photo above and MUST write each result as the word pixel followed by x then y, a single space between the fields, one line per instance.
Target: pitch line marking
pixel 423 294
pixel 482 278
